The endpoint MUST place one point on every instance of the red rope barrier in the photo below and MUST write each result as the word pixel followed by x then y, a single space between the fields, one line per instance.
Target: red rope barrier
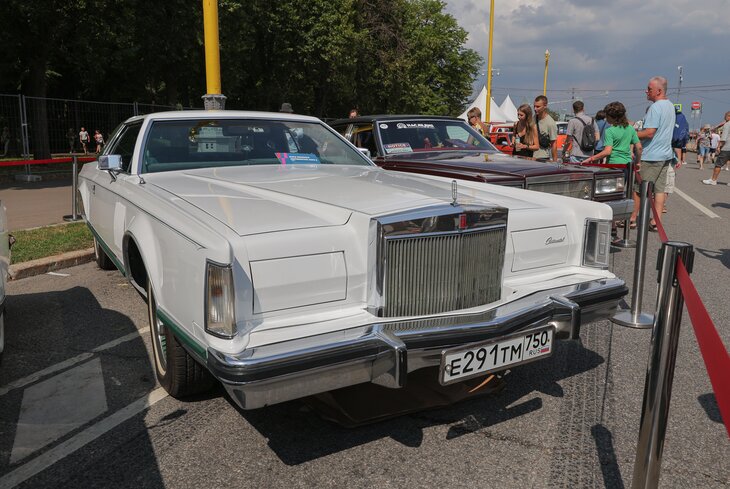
pixel 716 357
pixel 712 349
pixel 49 161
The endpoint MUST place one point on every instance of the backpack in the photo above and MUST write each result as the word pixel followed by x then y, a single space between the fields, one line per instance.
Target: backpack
pixel 587 141
pixel 680 135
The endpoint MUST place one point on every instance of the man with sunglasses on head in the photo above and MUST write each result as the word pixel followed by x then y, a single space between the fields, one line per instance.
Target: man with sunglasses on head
pixel 656 138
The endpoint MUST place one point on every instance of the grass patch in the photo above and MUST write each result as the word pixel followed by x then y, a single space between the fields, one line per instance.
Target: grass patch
pixel 50 240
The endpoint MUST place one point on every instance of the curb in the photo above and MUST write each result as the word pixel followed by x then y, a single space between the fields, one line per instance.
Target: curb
pixel 50 263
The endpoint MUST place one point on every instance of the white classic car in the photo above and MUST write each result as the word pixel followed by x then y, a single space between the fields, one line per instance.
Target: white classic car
pixel 276 258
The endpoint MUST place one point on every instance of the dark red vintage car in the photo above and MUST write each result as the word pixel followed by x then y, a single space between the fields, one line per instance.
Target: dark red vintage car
pixel 446 146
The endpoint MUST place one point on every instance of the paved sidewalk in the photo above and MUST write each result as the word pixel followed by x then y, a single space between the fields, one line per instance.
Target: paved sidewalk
pixel 34 204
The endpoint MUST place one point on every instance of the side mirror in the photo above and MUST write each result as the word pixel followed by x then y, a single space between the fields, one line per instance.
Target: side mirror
pixel 110 162
pixel 364 151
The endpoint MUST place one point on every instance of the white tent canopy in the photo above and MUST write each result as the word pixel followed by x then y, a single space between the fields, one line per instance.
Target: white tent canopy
pixel 508 109
pixel 495 113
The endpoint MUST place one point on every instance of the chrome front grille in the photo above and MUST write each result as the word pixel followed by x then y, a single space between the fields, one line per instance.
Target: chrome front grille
pixel 433 273
pixel 581 189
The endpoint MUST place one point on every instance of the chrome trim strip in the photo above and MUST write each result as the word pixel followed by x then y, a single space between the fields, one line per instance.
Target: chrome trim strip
pixel 561 177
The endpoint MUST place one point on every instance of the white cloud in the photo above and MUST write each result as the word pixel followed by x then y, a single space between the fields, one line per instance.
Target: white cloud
pixel 603 45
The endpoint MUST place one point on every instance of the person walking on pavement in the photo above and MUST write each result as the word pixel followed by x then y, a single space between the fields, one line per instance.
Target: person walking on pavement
pixel 656 137
pixel 714 141
pixel 703 145
pixel 99 140
pixel 723 149
pixel 547 131
pixel 575 134
pixel 84 140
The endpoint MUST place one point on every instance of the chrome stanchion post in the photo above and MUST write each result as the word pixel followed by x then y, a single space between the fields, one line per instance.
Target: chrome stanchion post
pixel 74 190
pixel 660 370
pixel 634 318
pixel 625 242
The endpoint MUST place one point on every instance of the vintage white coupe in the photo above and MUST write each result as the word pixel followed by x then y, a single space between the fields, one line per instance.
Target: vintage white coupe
pixel 276 258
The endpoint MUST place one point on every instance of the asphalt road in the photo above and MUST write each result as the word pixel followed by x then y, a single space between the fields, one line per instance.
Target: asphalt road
pixel 80 407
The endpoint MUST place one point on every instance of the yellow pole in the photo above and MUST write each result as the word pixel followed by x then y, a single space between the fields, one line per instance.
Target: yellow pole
pixel 212 51
pixel 214 99
pixel 489 63
pixel 544 79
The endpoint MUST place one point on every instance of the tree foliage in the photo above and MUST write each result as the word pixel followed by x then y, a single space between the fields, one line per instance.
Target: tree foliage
pixel 322 56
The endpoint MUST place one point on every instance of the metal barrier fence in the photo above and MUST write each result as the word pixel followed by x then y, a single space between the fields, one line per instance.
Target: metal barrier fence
pixel 36 127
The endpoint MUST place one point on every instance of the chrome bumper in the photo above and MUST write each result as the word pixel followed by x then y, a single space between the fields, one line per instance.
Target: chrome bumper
pixel 384 353
pixel 621 208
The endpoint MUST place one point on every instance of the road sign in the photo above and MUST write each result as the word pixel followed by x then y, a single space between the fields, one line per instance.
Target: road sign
pixel 696 105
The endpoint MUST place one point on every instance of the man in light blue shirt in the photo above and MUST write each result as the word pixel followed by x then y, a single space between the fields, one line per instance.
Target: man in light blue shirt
pixel 656 138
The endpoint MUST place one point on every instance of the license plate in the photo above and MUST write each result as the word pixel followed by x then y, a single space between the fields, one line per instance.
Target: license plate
pixel 478 359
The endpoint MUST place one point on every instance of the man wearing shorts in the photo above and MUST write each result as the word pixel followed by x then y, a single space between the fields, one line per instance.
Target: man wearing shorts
pixel 656 137
pixel 723 149
pixel 703 146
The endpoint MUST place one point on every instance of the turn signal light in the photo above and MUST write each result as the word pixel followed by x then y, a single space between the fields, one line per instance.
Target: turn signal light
pixel 220 318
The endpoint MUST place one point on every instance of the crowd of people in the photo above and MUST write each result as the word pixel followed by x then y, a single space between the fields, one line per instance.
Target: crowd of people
pixel 656 145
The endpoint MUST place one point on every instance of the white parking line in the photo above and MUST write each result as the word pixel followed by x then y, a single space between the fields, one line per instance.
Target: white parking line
pixel 42 462
pixel 34 377
pixel 692 201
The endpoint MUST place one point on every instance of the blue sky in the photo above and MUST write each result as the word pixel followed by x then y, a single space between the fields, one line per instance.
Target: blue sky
pixel 605 50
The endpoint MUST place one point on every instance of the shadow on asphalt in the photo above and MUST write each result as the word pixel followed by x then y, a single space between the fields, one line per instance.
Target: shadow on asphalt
pixel 722 255
pixel 709 404
pixel 43 329
pixel 297 434
pixel 607 457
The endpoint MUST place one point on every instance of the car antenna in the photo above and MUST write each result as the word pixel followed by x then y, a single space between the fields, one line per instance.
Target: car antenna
pixel 141 180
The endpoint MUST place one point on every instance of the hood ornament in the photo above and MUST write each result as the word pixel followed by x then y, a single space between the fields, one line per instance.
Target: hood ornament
pixel 454 193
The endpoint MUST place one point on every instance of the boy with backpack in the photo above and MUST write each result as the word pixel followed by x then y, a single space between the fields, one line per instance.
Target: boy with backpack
pixel 680 135
pixel 582 135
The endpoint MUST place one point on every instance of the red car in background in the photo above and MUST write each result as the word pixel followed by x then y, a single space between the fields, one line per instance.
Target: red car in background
pixel 500 135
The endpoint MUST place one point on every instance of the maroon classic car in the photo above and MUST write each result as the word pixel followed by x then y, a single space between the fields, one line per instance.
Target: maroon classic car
pixel 449 147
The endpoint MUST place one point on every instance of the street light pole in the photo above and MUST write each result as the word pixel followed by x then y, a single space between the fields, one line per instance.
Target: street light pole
pixel 544 79
pixel 679 87
pixel 489 64
pixel 214 99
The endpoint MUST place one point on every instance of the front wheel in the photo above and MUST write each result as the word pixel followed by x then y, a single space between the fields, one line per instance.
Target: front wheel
pixel 104 262
pixel 176 370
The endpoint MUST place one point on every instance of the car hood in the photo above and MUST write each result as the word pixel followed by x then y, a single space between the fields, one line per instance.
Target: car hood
pixel 490 162
pixel 252 200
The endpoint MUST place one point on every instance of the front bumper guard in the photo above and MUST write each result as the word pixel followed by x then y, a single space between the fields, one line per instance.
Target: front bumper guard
pixel 622 209
pixel 385 352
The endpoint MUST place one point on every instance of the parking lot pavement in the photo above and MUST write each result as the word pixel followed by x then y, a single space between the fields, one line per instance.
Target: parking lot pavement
pixel 80 407
pixel 34 204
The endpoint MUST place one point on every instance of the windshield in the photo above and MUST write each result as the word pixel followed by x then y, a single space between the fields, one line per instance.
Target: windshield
pixel 428 135
pixel 207 143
